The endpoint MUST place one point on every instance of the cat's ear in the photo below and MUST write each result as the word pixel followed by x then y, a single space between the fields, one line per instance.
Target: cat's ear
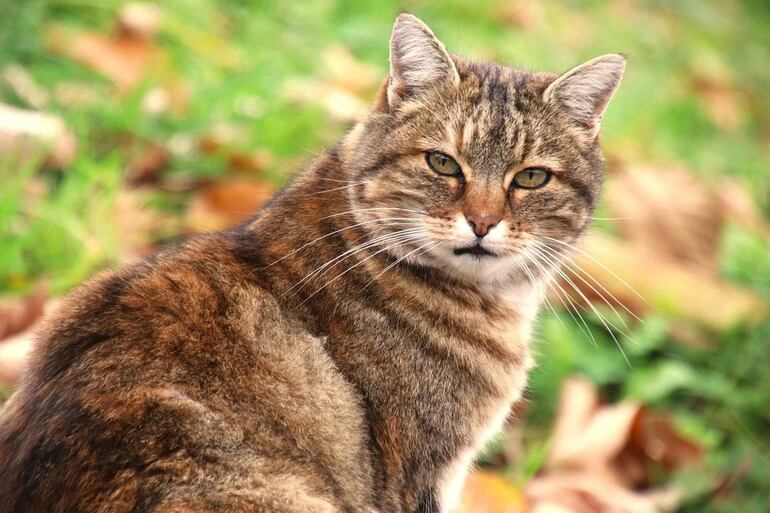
pixel 417 60
pixel 585 91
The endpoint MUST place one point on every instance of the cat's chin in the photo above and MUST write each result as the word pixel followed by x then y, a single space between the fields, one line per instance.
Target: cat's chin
pixel 484 268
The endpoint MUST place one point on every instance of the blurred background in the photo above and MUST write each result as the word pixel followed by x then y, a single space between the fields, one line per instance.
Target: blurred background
pixel 125 127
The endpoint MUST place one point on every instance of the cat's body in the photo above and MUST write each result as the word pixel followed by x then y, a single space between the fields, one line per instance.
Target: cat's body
pixel 225 375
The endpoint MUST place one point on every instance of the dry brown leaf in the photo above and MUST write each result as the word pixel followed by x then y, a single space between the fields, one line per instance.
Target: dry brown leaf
pixel 223 204
pixel 25 86
pixel 123 58
pixel 14 352
pixel 342 93
pixel 668 211
pixel 640 280
pixel 654 435
pixel 146 167
pixel 348 73
pixel 601 455
pixel 221 142
pixel 77 94
pixel 722 99
pixel 140 19
pixel 595 492
pixel 18 315
pixel 740 207
pixel 587 435
pixel 27 134
pixel 521 14
pixel 139 225
pixel 126 57
pixel 485 492
pixel 339 103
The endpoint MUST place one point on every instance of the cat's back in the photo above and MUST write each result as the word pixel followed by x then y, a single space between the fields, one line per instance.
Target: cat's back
pixel 167 374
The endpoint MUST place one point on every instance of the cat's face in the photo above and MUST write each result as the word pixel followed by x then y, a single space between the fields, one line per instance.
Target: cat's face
pixel 481 170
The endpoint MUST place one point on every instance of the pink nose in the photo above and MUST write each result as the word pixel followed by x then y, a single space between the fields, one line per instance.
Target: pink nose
pixel 482 223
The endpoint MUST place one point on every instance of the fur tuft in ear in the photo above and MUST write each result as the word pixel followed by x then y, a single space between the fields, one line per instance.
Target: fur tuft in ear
pixel 585 91
pixel 417 60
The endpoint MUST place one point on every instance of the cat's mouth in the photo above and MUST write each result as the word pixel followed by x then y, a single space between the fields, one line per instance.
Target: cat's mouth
pixel 476 250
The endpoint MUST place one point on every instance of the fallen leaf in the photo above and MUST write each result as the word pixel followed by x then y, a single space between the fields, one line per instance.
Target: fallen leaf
pixel 127 57
pixel 145 167
pixel 18 315
pixel 601 456
pixel 344 92
pixel 595 492
pixel 485 492
pixel 339 103
pixel 220 205
pixel 640 279
pixel 344 71
pixel 15 350
pixel 718 92
pixel 587 435
pixel 665 209
pixel 140 226
pixel 123 58
pixel 222 141
pixel 28 134
pixel 139 19
pixel 13 357
pixel 25 86
pixel 520 14
pixel 655 436
pixel 741 207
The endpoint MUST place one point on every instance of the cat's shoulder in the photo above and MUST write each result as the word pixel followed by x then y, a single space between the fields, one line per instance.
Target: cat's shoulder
pixel 190 299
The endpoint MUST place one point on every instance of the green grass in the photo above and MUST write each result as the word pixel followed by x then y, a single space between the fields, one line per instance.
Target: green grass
pixel 231 52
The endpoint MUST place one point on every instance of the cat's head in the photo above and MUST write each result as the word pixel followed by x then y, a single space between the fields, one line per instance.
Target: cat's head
pixel 485 171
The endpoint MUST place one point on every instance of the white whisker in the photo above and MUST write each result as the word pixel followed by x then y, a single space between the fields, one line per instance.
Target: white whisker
pixel 361 247
pixel 361 262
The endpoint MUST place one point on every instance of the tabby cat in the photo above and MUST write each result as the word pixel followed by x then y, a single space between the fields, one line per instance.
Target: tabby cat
pixel 353 345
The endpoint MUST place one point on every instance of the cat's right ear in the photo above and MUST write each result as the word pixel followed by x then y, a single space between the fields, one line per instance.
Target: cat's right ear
pixel 418 60
pixel 585 91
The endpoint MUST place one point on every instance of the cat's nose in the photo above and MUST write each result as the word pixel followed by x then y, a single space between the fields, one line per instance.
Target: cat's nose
pixel 482 223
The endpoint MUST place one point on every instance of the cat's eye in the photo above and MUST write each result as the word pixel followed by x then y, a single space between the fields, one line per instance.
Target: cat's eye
pixel 443 164
pixel 531 178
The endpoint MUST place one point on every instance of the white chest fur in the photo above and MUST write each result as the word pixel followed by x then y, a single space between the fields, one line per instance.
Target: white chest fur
pixel 525 303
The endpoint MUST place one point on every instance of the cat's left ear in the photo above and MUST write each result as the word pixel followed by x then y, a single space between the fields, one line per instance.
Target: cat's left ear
pixel 418 60
pixel 585 91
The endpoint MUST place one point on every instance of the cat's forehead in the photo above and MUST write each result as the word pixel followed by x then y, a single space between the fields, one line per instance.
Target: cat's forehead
pixel 497 114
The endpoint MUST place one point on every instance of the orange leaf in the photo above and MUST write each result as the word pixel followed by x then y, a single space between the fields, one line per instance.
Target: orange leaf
pixel 223 204
pixel 488 493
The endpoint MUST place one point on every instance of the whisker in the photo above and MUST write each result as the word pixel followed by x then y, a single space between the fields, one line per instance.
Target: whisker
pixel 340 181
pixel 569 266
pixel 565 298
pixel 361 262
pixel 400 260
pixel 587 255
pixel 521 260
pixel 353 211
pixel 352 251
pixel 608 325
pixel 335 189
pixel 364 223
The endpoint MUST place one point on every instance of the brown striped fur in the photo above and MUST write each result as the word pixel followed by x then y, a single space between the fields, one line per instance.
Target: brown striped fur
pixel 222 375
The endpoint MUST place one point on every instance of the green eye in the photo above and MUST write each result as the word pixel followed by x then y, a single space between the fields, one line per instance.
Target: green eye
pixel 531 178
pixel 443 164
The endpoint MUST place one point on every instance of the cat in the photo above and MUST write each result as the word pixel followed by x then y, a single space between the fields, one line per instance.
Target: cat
pixel 352 346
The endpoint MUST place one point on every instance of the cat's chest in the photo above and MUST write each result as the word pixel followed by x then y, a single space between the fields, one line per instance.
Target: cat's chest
pixel 514 332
